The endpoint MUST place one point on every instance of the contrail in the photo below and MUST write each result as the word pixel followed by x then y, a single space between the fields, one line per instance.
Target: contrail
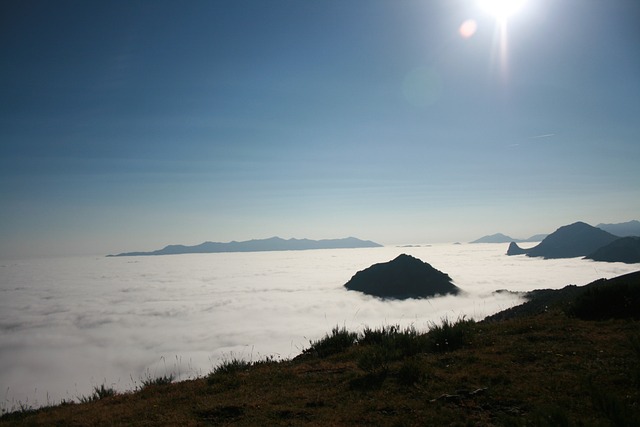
pixel 546 135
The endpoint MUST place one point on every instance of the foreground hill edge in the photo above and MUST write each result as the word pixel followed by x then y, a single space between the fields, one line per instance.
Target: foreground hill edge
pixel 565 357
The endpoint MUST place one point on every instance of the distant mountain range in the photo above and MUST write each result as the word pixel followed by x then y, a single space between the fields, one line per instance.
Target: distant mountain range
pixel 583 240
pixel 623 229
pixel 260 245
pixel 502 238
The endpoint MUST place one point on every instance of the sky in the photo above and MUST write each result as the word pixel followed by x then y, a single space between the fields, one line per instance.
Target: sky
pixel 130 125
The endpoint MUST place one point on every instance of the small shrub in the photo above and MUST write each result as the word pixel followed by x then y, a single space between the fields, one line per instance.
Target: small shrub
pixel 379 336
pixel 227 371
pixel 268 360
pixel 231 366
pixel 449 336
pixel 634 342
pixel 375 359
pixel 369 382
pixel 339 340
pixel 98 393
pixel 156 381
pixel 612 407
pixel 411 372
pixel 409 342
pixel 398 343
pixel 551 416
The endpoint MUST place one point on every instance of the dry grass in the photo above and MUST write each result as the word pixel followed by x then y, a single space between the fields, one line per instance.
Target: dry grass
pixel 549 369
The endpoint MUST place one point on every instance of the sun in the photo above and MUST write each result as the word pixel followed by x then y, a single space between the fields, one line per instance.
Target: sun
pixel 501 9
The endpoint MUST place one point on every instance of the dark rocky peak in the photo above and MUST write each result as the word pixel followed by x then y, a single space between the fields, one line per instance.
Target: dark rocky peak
pixel 403 277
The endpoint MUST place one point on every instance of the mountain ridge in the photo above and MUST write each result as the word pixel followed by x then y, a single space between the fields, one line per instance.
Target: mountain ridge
pixel 622 229
pixel 258 245
pixel 503 238
pixel 575 240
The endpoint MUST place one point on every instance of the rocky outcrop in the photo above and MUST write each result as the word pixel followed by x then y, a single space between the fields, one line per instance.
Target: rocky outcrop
pixel 402 278
pixel 514 249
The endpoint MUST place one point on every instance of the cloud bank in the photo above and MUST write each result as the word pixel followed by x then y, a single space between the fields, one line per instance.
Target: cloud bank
pixel 69 324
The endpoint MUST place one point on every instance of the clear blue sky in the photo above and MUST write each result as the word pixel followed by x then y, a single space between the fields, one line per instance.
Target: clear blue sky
pixel 129 125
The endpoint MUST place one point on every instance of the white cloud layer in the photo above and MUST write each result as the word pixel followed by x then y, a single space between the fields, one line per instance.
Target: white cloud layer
pixel 69 324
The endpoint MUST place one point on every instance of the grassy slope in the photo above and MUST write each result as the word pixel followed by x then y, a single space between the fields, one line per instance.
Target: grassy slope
pixel 543 369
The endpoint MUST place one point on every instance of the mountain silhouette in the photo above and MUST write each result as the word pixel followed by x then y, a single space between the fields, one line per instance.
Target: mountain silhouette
pixel 260 245
pixel 624 249
pixel 495 238
pixel 570 241
pixel 502 238
pixel 623 229
pixel 402 278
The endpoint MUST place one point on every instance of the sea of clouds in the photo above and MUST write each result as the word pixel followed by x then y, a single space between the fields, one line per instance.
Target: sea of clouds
pixel 68 325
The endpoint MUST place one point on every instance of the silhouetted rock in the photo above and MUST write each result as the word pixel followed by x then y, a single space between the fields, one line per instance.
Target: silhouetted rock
pixel 262 245
pixel 514 249
pixel 402 278
pixel 623 229
pixel 575 240
pixel 625 249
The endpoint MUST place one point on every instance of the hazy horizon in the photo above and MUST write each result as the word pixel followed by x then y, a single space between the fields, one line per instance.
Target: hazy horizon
pixel 134 125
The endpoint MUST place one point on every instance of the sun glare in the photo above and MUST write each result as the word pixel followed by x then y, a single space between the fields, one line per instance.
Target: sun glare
pixel 501 9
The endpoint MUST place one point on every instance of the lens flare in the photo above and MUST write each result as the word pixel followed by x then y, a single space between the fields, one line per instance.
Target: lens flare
pixel 468 28
pixel 502 10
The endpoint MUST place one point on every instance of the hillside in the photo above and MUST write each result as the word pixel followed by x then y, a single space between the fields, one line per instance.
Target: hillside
pixel 574 240
pixel 548 366
pixel 625 249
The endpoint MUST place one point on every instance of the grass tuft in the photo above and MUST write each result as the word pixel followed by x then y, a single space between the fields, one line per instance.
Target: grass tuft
pixel 338 341
pixel 231 366
pixel 99 393
pixel 449 336
pixel 150 381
